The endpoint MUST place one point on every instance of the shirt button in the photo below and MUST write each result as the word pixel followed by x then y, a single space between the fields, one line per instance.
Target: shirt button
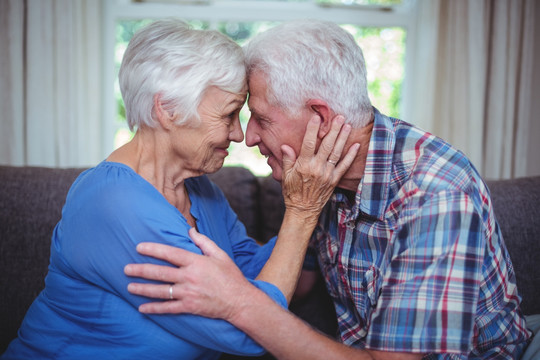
pixel 350 224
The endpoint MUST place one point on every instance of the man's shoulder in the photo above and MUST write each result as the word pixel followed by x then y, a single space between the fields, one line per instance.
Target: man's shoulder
pixel 431 163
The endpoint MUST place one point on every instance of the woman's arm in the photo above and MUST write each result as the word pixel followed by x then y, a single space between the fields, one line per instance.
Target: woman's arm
pixel 98 236
pixel 307 184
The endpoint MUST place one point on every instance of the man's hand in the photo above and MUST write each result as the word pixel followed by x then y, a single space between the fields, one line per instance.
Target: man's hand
pixel 209 285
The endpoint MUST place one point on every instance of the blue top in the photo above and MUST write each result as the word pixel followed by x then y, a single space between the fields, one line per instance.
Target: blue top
pixel 85 310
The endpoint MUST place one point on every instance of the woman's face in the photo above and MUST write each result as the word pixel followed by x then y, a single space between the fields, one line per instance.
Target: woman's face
pixel 203 147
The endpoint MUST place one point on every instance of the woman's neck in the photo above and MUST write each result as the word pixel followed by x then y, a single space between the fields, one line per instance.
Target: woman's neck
pixel 149 155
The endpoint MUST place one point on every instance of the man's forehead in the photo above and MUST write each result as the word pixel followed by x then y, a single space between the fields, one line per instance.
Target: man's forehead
pixel 253 105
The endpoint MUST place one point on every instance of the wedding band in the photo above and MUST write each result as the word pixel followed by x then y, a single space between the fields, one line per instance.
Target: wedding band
pixel 332 162
pixel 170 292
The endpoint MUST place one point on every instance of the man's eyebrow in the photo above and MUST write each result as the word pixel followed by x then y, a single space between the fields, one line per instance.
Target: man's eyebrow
pixel 254 111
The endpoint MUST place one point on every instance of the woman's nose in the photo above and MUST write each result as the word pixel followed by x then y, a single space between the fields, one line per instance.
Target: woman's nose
pixel 236 134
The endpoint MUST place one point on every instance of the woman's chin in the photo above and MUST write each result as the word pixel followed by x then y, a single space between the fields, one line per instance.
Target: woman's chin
pixel 214 167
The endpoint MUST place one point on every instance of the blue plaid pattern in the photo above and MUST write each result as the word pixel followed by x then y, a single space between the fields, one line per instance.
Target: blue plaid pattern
pixel 415 260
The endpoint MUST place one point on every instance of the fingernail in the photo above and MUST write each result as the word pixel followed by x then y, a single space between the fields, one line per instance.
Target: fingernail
pixel 128 269
pixel 140 247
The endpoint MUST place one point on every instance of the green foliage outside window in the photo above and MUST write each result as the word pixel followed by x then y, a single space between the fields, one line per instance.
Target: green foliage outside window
pixel 384 51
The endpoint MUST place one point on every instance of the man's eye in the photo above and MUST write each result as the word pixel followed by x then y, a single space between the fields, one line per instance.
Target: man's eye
pixel 263 123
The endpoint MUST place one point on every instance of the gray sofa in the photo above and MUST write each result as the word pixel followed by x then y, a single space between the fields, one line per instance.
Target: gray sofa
pixel 31 200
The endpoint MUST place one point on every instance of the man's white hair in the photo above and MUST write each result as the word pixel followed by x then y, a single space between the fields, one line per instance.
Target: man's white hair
pixel 312 59
pixel 179 63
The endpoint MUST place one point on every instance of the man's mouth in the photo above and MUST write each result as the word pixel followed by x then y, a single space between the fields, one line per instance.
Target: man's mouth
pixel 264 153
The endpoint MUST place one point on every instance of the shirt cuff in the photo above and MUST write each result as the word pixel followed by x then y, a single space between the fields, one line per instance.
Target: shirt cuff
pixel 272 291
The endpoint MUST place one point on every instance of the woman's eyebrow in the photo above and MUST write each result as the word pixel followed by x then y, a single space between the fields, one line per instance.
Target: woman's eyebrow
pixel 237 104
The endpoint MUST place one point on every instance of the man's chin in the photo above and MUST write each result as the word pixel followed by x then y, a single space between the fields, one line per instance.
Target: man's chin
pixel 276 177
pixel 277 171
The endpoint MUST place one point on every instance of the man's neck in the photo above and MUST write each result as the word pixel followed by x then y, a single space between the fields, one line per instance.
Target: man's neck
pixel 351 179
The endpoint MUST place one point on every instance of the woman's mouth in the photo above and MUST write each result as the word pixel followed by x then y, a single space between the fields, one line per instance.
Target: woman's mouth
pixel 222 151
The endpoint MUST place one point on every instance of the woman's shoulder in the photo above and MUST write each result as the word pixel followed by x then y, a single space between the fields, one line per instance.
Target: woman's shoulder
pixel 109 175
pixel 107 170
pixel 111 185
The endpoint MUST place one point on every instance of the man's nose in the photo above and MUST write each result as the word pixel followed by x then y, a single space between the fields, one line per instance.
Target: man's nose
pixel 252 136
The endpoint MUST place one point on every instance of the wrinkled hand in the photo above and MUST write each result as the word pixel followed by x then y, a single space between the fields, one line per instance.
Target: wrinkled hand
pixel 309 180
pixel 209 285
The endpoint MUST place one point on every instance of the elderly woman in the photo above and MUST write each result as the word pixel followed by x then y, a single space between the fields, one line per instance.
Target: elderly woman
pixel 183 90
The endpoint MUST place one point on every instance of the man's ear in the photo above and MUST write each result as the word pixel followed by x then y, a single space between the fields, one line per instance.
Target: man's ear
pixel 162 115
pixel 321 108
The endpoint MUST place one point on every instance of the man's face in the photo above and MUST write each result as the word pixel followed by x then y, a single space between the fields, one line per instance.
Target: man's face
pixel 269 127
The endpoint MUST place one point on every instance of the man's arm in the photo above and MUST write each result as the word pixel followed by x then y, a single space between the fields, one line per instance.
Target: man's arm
pixel 211 285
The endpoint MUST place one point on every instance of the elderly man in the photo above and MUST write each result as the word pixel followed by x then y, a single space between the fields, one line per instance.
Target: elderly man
pixel 408 244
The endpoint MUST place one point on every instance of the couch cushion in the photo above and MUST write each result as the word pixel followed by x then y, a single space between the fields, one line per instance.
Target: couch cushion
pixel 32 199
pixel 272 207
pixel 241 188
pixel 516 203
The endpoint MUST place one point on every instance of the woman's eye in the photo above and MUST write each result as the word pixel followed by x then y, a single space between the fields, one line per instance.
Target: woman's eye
pixel 231 116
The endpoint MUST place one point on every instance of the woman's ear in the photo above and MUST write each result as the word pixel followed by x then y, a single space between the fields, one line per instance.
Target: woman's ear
pixel 325 114
pixel 165 119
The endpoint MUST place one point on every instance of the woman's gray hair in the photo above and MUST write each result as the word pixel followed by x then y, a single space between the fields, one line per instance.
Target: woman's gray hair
pixel 179 63
pixel 311 59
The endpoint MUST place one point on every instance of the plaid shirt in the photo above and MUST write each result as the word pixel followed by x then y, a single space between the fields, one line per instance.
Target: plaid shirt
pixel 417 263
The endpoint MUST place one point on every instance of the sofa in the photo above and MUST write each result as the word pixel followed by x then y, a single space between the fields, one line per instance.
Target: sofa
pixel 31 199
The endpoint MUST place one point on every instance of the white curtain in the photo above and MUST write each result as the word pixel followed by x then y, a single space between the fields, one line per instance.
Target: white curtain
pixel 51 74
pixel 473 84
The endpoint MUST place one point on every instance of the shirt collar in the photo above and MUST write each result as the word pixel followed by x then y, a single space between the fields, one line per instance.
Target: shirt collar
pixel 372 193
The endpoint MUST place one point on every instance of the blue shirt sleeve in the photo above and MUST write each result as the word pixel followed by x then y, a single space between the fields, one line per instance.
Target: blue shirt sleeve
pixel 107 219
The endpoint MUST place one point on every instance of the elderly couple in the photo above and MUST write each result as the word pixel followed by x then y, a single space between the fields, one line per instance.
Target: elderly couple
pixel 401 223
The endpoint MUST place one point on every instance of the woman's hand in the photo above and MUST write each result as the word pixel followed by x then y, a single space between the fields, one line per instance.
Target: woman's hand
pixel 307 183
pixel 209 285
pixel 309 180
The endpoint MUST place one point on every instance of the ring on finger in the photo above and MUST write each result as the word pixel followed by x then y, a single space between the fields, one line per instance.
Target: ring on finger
pixel 332 162
pixel 170 293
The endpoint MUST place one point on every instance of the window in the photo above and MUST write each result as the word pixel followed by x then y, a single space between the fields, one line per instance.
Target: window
pixel 382 36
